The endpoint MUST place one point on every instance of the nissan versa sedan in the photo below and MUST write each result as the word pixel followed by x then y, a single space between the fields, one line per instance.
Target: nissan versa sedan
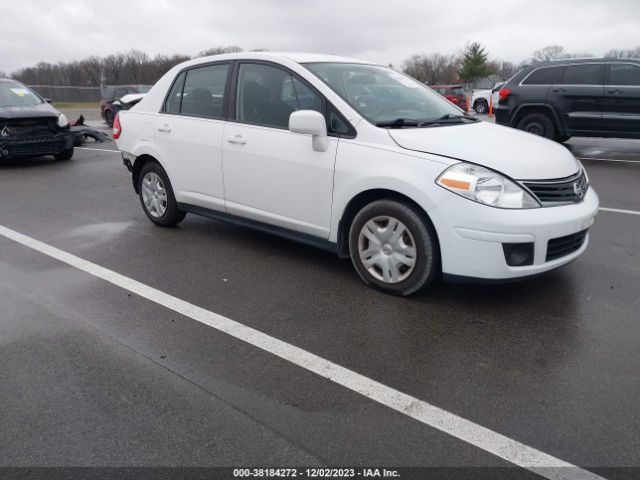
pixel 358 159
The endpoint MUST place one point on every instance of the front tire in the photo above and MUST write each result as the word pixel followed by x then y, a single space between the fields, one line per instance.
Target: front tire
pixel 539 124
pixel 157 198
pixel 393 247
pixel 64 155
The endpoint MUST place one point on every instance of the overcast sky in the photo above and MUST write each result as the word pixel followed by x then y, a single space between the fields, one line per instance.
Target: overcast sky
pixel 379 30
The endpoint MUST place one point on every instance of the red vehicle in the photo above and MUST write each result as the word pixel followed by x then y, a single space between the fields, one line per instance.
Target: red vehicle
pixel 453 93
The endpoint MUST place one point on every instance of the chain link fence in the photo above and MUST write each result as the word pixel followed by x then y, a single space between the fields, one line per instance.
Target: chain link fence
pixel 68 93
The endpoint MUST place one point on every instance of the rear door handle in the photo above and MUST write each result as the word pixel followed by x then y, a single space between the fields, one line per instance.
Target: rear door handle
pixel 559 90
pixel 615 90
pixel 165 128
pixel 237 139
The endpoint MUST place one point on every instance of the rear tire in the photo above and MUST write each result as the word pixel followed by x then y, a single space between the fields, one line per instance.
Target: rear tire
pixel 538 124
pixel 64 155
pixel 156 196
pixel 393 247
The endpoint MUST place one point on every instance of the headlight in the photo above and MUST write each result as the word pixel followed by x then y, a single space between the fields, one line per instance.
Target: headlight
pixel 62 120
pixel 485 186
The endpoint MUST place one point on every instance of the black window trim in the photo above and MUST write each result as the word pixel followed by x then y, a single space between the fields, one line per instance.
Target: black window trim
pixel 231 117
pixel 565 65
pixel 225 100
pixel 608 72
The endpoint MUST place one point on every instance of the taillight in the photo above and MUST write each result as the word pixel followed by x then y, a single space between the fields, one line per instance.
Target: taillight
pixel 504 93
pixel 117 129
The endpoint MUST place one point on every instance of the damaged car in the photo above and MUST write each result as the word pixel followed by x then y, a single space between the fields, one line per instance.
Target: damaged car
pixel 30 126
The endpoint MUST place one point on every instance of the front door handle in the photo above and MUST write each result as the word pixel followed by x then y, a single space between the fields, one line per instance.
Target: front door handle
pixel 165 128
pixel 559 90
pixel 615 90
pixel 237 139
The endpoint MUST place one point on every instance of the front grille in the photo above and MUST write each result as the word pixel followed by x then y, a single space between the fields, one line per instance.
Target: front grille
pixel 560 191
pixel 20 127
pixel 32 146
pixel 562 246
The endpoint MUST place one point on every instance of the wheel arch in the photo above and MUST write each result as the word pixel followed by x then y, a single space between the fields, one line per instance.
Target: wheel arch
pixel 366 197
pixel 140 162
pixel 544 108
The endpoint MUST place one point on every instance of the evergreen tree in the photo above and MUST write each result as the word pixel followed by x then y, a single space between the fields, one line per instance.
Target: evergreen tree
pixel 474 64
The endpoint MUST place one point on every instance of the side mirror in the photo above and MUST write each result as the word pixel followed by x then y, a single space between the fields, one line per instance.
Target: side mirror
pixel 310 122
pixel 48 100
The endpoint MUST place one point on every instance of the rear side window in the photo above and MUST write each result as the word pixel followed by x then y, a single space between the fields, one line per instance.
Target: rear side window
pixel 174 99
pixel 587 74
pixel 204 91
pixel 623 74
pixel 544 76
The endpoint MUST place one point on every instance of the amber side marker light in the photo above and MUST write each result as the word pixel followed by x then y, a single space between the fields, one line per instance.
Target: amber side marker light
pixel 457 184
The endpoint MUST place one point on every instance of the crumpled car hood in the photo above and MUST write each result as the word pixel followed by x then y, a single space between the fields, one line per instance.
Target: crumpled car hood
pixel 517 154
pixel 41 110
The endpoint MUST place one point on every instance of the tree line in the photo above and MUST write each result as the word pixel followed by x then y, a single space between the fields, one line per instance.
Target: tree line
pixel 136 67
pixel 474 63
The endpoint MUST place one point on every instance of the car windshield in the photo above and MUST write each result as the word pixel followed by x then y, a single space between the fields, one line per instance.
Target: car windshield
pixel 16 95
pixel 382 95
pixel 457 91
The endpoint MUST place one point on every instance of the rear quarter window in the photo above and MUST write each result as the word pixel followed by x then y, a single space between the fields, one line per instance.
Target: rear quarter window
pixel 624 74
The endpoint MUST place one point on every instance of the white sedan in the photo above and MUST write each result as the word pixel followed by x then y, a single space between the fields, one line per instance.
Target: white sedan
pixel 358 159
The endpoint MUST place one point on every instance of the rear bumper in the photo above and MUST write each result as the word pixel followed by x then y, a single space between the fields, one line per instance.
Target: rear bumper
pixel 35 146
pixel 503 115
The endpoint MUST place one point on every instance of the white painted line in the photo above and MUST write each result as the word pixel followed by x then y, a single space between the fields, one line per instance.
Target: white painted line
pixel 617 210
pixel 609 160
pixel 98 149
pixel 495 443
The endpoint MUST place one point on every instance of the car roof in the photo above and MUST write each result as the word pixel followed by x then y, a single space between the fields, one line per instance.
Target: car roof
pixel 570 61
pixel 298 57
pixel 454 85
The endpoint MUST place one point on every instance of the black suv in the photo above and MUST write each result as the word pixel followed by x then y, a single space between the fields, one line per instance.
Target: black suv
pixel 586 98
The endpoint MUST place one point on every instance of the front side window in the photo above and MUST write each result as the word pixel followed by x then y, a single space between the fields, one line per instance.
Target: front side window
pixel 381 94
pixel 587 74
pixel 17 95
pixel 268 95
pixel 204 91
pixel 624 74
pixel 544 76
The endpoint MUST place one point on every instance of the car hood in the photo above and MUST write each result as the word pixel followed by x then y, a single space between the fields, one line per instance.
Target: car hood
pixel 41 110
pixel 517 154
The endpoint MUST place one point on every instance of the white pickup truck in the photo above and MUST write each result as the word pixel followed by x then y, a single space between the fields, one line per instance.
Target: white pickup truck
pixel 480 99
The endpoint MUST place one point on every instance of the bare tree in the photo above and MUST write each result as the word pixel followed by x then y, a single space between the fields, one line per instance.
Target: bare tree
pixel 556 52
pixel 433 69
pixel 622 53
pixel 220 50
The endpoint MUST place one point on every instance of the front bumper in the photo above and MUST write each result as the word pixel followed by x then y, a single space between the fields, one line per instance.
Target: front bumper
pixel 24 147
pixel 472 236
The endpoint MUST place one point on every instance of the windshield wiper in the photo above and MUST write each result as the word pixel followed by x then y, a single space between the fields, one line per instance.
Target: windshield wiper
pixel 399 123
pixel 447 119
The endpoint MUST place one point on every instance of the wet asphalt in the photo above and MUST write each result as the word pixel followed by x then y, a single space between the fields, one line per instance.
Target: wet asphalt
pixel 91 375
